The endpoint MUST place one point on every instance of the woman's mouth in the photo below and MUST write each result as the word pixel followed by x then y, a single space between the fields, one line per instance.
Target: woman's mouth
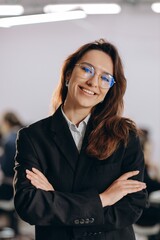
pixel 87 91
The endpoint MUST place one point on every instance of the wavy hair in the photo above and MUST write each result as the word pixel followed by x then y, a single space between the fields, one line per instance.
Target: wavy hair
pixel 109 128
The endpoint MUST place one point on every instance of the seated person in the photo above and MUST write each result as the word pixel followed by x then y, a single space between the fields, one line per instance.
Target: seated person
pixel 9 126
pixel 151 215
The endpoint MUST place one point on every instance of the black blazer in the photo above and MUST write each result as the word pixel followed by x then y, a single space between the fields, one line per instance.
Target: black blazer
pixel 74 209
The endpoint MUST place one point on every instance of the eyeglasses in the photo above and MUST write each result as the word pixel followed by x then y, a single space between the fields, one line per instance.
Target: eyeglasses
pixel 87 71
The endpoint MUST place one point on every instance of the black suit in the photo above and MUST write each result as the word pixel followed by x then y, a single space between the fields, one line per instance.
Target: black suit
pixel 74 209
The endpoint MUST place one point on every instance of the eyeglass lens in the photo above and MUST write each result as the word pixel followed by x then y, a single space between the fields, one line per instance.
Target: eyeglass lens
pixel 106 80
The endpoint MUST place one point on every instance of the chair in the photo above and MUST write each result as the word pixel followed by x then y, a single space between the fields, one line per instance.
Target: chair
pixel 147 231
pixel 7 209
pixel 7 233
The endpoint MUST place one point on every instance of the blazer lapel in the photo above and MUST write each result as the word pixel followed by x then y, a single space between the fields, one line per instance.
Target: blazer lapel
pixel 63 138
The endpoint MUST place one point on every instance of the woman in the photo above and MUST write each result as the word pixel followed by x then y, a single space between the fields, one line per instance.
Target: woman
pixel 79 172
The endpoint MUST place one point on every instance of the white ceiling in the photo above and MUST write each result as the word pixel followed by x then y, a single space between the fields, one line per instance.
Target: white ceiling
pixel 36 6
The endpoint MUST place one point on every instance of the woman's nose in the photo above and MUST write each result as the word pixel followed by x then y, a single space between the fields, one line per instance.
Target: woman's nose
pixel 93 81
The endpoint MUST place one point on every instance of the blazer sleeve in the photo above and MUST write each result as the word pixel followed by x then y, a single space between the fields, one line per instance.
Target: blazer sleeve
pixel 39 207
pixel 128 210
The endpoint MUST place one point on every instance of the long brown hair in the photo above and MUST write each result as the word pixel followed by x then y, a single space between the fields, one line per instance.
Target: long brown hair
pixel 109 128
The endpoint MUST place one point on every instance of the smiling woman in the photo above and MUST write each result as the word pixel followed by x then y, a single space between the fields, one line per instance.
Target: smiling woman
pixel 84 86
pixel 79 172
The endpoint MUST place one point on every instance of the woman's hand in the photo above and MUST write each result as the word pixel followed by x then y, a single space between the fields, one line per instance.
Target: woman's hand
pixel 120 188
pixel 38 180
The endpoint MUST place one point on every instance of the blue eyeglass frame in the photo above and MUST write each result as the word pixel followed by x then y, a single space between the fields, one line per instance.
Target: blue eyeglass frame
pixel 90 65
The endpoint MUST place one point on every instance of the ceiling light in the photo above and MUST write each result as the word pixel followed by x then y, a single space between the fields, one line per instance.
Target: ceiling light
pixel 93 8
pixel 11 10
pixel 60 8
pixel 101 8
pixel 41 18
pixel 156 7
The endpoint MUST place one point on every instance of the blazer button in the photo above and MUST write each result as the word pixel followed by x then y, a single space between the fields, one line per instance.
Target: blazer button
pixel 91 220
pixel 87 220
pixel 76 221
pixel 90 234
pixel 81 221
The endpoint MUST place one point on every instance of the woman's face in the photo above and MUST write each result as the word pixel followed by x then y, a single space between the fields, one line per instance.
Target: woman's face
pixel 86 92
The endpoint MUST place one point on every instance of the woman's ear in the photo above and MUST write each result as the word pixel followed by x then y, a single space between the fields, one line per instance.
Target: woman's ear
pixel 67 82
pixel 68 75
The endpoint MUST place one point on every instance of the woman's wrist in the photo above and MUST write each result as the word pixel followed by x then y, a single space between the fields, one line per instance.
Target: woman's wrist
pixel 102 199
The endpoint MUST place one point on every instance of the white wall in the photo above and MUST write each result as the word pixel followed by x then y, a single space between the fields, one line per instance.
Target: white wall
pixel 31 57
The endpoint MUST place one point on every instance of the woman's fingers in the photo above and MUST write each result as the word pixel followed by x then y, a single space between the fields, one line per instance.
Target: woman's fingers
pixel 127 175
pixel 130 187
pixel 120 188
pixel 32 176
pixel 133 189
pixel 35 173
pixel 130 183
pixel 38 179
pixel 127 185
pixel 35 180
pixel 38 173
pixel 40 185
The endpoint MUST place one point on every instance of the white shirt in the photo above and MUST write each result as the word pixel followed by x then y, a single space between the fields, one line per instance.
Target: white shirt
pixel 77 132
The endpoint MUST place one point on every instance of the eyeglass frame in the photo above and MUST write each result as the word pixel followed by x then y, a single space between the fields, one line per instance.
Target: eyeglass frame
pixel 94 70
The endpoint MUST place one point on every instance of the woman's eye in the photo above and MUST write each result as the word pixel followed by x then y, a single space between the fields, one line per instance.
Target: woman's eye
pixel 104 78
pixel 86 69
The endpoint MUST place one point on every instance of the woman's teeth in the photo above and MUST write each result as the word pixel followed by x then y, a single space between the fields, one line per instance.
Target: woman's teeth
pixel 87 91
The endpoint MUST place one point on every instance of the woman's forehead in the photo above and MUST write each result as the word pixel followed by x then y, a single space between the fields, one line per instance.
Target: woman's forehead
pixel 98 59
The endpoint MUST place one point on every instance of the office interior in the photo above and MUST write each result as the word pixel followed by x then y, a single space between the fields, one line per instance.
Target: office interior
pixel 31 57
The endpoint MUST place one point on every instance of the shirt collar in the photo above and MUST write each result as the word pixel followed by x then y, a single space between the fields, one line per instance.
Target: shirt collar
pixel 85 120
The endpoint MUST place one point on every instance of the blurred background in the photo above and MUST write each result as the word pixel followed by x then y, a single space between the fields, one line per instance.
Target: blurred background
pixel 31 56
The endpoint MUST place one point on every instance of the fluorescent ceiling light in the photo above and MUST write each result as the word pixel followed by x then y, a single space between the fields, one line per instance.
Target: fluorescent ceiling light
pixel 41 18
pixel 60 8
pixel 101 8
pixel 93 8
pixel 156 7
pixel 11 10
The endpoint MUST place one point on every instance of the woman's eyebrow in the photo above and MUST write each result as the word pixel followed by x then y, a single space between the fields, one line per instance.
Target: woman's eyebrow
pixel 89 64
